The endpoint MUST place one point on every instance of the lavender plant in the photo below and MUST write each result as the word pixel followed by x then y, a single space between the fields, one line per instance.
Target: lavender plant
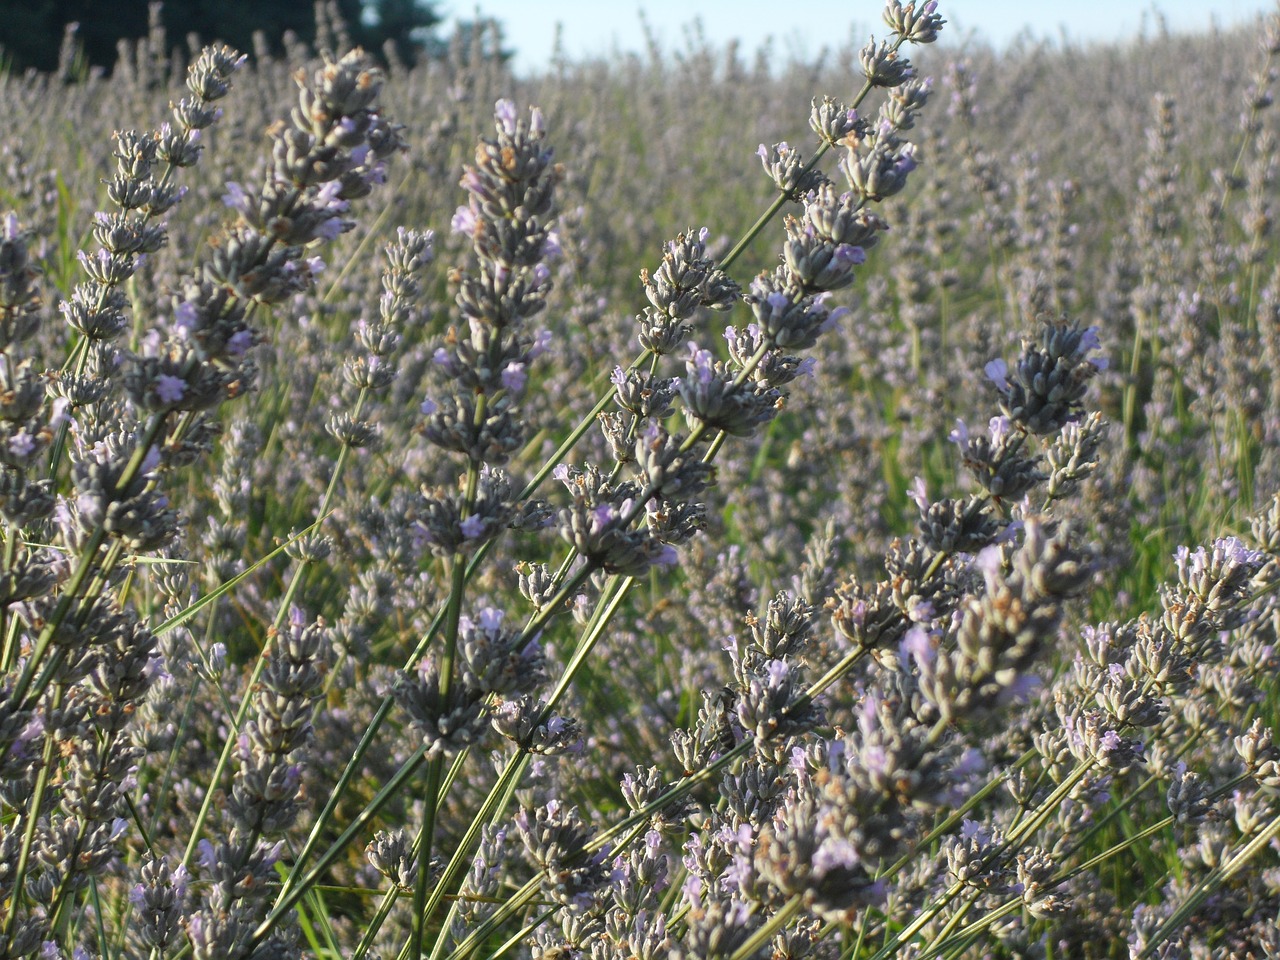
pixel 529 609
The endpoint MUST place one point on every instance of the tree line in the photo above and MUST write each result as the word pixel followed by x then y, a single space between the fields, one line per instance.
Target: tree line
pixel 32 31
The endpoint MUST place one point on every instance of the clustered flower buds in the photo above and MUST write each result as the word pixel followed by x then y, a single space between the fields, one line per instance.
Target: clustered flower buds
pixel 19 295
pixel 1043 392
pixel 686 281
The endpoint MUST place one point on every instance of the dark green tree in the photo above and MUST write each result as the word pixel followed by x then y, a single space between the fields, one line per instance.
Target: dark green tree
pixel 406 23
pixel 483 39
pixel 31 31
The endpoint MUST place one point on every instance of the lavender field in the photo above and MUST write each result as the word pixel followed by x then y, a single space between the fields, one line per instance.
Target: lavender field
pixel 686 506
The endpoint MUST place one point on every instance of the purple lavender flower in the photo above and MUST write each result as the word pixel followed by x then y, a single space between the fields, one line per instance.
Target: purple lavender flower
pixel 170 389
pixel 997 372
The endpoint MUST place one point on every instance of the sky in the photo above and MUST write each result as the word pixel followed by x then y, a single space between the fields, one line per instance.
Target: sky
pixel 803 27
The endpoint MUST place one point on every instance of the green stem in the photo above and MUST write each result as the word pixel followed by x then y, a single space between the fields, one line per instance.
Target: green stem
pixel 29 829
pixel 10 636
pixel 224 758
pixel 491 809
pixel 289 898
pixel 1204 889
pixel 774 924
pixel 87 563
pixel 431 796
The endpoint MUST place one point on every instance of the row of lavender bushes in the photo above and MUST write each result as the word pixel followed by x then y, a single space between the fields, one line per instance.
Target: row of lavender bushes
pixel 440 529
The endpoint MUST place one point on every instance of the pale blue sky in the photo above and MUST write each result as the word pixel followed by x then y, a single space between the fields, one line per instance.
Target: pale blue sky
pixel 596 27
